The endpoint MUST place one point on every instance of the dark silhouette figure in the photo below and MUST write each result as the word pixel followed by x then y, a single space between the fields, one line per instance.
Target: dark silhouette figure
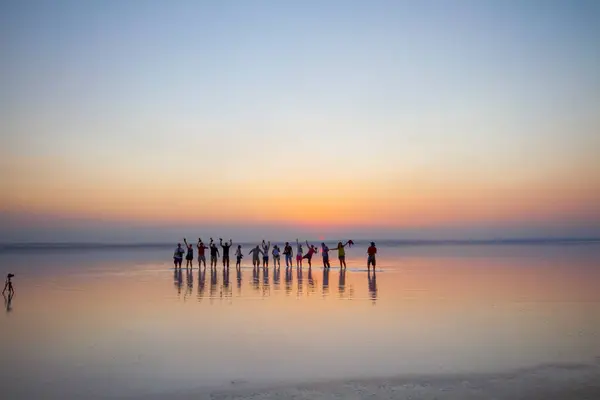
pixel 8 286
pixel 226 248
pixel 372 284
pixel 189 257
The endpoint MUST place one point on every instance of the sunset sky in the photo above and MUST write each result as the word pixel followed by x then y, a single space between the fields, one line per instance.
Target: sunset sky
pixel 122 120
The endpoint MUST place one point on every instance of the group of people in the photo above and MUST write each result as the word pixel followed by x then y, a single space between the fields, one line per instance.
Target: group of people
pixel 263 250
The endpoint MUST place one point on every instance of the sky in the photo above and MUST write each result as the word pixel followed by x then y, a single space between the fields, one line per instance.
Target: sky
pixel 145 120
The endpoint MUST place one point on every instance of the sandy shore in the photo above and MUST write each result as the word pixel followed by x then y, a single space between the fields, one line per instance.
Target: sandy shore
pixel 547 382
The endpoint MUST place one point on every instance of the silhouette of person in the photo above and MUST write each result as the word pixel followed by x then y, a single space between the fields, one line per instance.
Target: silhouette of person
pixel 8 286
pixel 226 247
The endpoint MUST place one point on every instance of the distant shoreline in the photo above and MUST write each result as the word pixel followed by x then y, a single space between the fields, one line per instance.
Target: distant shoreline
pixel 359 242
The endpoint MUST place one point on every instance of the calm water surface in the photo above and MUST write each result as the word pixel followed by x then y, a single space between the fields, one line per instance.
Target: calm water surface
pixel 123 322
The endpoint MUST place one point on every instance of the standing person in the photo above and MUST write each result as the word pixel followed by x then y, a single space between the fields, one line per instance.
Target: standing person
pixel 8 286
pixel 226 251
pixel 201 257
pixel 287 251
pixel 255 254
pixel 311 250
pixel 265 251
pixel 276 256
pixel 325 253
pixel 189 257
pixel 299 253
pixel 371 251
pixel 342 253
pixel 238 256
pixel 214 254
pixel 178 256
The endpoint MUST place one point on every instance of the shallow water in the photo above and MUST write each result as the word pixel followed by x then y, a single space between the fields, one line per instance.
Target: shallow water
pixel 123 322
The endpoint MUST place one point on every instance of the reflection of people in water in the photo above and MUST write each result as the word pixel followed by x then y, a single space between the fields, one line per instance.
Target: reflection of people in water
pixel 8 301
pixel 178 279
pixel 372 284
pixel 311 282
pixel 201 282
pixel 276 276
pixel 255 277
pixel 288 280
pixel 239 278
pixel 325 281
pixel 8 286
pixel 189 274
pixel 342 281
pixel 226 277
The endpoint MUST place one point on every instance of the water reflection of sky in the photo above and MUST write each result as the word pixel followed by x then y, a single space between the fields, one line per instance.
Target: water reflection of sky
pixel 132 325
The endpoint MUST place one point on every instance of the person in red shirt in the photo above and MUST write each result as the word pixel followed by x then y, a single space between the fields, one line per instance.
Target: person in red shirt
pixel 311 250
pixel 371 251
pixel 201 256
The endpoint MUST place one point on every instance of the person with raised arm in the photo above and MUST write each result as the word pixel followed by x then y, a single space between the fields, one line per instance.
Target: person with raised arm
pixel 311 250
pixel 342 252
pixel 201 249
pixel 226 248
pixel 214 253
pixel 189 257
pixel 299 253
pixel 325 253
pixel 265 251
pixel 288 253
pixel 255 256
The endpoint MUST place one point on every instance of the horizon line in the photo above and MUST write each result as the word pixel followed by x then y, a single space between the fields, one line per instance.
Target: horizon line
pixel 506 240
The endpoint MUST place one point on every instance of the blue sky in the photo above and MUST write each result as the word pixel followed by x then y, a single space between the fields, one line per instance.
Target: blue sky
pixel 420 97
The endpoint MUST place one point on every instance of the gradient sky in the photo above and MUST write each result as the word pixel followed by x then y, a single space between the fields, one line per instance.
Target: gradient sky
pixel 129 119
